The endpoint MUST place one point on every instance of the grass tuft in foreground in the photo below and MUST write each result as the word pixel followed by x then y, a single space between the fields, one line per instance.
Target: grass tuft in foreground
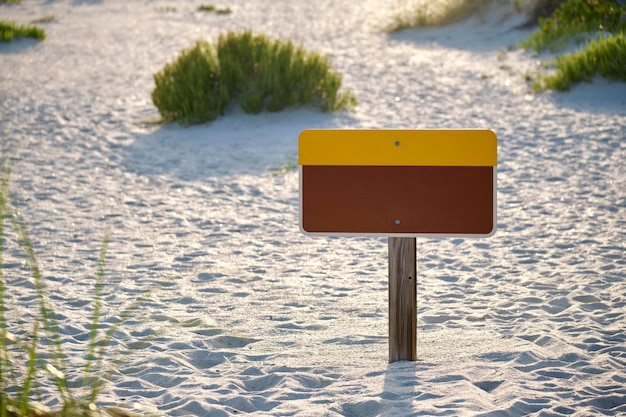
pixel 10 30
pixel 32 354
pixel 259 73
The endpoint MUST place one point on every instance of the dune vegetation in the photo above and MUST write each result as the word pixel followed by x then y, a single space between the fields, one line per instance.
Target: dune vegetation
pixel 10 30
pixel 598 28
pixel 253 70
pixel 416 14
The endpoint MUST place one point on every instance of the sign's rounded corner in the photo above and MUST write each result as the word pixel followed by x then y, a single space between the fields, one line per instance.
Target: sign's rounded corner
pixel 304 231
pixel 495 136
pixel 493 231
pixel 304 132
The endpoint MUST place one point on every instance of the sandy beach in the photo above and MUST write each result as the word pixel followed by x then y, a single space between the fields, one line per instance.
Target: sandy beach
pixel 243 314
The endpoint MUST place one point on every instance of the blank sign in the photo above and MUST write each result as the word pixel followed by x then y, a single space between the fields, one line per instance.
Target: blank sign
pixel 398 182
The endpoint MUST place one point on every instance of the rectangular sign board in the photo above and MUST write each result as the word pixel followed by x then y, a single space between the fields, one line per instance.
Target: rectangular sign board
pixel 412 183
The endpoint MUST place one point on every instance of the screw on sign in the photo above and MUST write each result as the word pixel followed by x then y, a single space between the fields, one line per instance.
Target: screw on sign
pixel 402 184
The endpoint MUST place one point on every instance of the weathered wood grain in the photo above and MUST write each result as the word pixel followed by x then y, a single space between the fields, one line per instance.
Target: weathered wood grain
pixel 402 299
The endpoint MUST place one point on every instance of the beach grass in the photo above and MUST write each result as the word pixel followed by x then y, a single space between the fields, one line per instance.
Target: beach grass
pixel 188 89
pixel 598 26
pixel 604 56
pixel 253 70
pixel 414 14
pixel 578 19
pixel 421 13
pixel 213 9
pixel 10 30
pixel 24 363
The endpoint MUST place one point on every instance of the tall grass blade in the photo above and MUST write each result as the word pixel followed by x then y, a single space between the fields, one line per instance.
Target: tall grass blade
pixel 6 372
pixel 95 320
pixel 31 370
pixel 105 342
pixel 48 316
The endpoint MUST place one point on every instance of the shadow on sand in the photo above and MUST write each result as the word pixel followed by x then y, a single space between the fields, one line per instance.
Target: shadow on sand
pixel 237 143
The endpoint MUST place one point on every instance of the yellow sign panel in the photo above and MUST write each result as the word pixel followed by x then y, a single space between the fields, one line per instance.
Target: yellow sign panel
pixel 398 148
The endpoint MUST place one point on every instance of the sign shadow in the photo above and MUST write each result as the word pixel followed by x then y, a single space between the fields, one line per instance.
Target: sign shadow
pixel 403 390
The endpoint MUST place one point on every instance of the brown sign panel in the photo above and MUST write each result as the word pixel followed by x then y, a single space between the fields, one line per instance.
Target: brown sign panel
pixel 398 200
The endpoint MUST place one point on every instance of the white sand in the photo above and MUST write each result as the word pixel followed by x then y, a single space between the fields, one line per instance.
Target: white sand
pixel 250 316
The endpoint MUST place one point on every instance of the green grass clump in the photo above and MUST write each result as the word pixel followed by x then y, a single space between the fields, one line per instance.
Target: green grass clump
pixel 189 89
pixel 576 19
pixel 425 14
pixel 604 56
pixel 599 25
pixel 212 9
pixel 274 75
pixel 260 74
pixel 31 353
pixel 9 30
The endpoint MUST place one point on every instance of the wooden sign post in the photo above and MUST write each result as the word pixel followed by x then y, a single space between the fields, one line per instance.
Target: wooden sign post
pixel 402 299
pixel 402 184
